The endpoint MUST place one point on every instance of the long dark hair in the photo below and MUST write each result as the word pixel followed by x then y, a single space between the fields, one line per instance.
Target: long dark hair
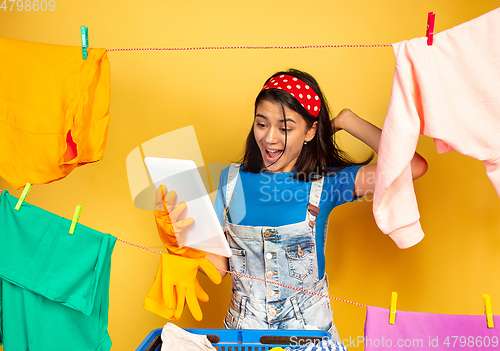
pixel 320 156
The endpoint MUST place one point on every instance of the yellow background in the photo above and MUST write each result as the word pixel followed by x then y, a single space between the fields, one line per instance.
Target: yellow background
pixel 156 92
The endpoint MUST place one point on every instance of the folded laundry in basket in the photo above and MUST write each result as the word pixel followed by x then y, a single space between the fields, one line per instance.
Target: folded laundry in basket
pixel 323 345
pixel 175 338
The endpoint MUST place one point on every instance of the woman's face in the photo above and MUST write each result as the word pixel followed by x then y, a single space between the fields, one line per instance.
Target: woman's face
pixel 269 132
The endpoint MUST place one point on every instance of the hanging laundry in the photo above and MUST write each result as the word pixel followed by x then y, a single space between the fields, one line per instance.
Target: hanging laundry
pixel 54 286
pixel 428 331
pixel 177 339
pixel 450 92
pixel 54 110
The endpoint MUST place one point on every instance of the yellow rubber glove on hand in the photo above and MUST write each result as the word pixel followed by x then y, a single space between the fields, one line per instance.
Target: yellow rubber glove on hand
pixel 169 292
pixel 168 227
pixel 176 284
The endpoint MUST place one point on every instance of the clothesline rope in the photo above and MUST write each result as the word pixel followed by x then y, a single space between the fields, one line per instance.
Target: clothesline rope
pixel 252 47
pixel 139 246
pixel 291 287
pixel 250 277
pixel 246 276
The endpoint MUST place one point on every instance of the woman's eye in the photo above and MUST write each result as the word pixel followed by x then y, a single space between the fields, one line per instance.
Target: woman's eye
pixel 261 125
pixel 285 130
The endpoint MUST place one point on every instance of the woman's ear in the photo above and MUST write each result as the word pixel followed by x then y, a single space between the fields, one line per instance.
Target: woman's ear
pixel 311 132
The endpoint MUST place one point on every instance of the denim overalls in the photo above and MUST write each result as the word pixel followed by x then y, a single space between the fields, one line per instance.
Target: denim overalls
pixel 285 255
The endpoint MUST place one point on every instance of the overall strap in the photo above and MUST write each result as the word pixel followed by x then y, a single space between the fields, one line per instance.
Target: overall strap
pixel 232 176
pixel 314 199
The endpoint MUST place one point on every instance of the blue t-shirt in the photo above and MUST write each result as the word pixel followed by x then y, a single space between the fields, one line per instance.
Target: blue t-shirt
pixel 276 199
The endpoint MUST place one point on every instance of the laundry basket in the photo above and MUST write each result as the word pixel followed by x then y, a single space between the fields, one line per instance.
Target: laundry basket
pixel 244 339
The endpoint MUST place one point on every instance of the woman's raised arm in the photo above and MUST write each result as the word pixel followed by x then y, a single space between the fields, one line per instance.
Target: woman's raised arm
pixel 370 135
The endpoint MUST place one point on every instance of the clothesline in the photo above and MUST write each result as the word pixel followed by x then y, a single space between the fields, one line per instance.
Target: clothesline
pixel 246 276
pixel 252 47
pixel 250 277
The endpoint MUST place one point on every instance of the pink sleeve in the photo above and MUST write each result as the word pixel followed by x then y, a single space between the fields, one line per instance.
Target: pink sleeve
pixel 394 204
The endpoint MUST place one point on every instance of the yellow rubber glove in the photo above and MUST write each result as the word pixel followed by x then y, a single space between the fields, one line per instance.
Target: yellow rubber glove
pixel 176 284
pixel 168 295
pixel 155 302
pixel 169 227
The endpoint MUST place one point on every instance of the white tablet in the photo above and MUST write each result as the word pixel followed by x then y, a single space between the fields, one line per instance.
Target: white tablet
pixel 183 177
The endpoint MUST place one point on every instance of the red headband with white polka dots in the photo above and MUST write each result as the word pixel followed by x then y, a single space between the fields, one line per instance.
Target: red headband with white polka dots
pixel 299 90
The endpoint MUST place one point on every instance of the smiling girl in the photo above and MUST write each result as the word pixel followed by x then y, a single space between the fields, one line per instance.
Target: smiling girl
pixel 274 204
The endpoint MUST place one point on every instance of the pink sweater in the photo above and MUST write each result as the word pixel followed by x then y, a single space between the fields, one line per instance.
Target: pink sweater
pixel 449 91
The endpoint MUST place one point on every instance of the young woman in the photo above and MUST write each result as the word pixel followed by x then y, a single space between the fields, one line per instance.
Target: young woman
pixel 274 205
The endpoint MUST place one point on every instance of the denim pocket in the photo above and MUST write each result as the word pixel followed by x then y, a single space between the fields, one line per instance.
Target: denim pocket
pixel 301 259
pixel 319 316
pixel 228 321
pixel 238 263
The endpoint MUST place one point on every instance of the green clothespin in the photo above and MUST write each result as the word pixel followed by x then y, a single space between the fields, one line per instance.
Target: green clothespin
pixel 76 217
pixel 25 192
pixel 85 41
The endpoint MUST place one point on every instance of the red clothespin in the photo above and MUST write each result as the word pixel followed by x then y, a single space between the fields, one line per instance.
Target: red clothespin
pixel 430 28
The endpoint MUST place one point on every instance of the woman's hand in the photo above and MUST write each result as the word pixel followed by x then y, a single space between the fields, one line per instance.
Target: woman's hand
pixel 358 128
pixel 337 122
pixel 168 224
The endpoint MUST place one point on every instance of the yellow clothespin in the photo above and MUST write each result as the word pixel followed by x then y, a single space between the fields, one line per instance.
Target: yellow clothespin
pixel 487 310
pixel 85 40
pixel 394 301
pixel 76 217
pixel 25 192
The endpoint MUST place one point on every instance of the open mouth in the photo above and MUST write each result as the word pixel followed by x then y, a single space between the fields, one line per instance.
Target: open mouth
pixel 273 155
